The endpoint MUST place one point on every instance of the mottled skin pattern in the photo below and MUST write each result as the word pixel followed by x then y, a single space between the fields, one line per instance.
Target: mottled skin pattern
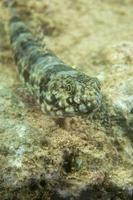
pixel 59 89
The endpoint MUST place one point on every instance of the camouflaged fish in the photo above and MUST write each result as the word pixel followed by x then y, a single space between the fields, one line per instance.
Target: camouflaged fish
pixel 58 88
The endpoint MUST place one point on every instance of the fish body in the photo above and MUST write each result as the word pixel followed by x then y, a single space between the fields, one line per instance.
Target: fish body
pixel 59 89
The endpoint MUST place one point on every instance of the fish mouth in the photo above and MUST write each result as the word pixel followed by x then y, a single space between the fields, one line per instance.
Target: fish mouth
pixel 71 107
pixel 80 110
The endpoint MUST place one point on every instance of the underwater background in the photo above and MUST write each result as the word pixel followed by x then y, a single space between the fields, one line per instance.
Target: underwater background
pixel 81 157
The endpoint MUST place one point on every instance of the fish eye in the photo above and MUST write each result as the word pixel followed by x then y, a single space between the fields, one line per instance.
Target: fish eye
pixel 69 85
pixel 69 88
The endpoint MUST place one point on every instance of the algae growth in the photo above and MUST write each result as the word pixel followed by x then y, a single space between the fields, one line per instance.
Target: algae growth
pixel 85 158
